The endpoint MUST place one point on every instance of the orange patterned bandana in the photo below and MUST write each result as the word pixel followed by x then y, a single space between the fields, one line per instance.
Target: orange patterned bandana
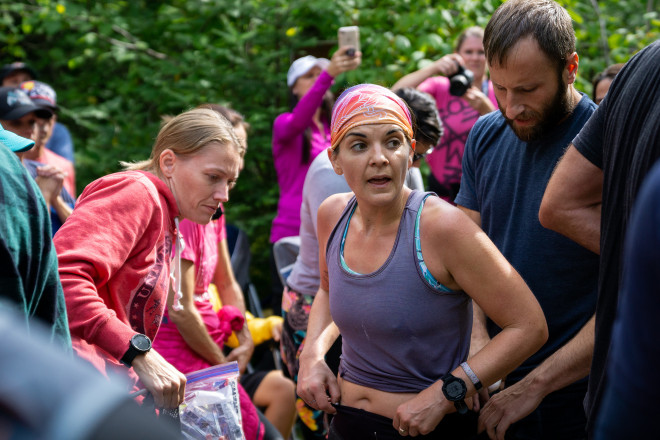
pixel 368 104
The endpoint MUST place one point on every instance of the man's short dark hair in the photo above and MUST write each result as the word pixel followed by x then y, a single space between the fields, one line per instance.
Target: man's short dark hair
pixel 428 126
pixel 544 20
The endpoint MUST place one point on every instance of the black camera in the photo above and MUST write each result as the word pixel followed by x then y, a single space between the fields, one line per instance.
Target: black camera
pixel 460 81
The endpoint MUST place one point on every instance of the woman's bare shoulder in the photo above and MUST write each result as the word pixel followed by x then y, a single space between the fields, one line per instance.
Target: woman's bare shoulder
pixel 332 207
pixel 442 218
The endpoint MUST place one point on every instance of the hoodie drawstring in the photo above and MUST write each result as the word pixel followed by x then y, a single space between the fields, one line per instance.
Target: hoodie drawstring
pixel 175 273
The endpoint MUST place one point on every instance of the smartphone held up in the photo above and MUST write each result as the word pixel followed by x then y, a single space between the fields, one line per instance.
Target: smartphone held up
pixel 349 36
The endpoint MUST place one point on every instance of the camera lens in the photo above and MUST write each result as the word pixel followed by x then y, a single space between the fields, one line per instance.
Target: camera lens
pixel 350 52
pixel 460 81
pixel 458 85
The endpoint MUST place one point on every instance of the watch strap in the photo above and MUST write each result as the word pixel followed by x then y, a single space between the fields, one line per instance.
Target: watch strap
pixel 134 350
pixel 473 377
pixel 461 407
pixel 127 358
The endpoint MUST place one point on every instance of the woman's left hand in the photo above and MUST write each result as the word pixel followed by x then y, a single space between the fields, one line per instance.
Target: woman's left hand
pixel 243 352
pixel 422 413
pixel 478 100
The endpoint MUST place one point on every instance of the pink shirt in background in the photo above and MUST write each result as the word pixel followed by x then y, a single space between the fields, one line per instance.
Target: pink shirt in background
pixel 288 132
pixel 457 118
pixel 202 249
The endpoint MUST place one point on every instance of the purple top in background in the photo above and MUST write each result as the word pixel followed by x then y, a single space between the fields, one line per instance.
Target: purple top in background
pixel 288 131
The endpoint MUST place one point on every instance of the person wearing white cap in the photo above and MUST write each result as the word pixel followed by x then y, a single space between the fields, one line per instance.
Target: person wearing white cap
pixel 301 134
pixel 298 137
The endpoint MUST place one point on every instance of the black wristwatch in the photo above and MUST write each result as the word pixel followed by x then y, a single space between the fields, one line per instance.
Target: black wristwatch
pixel 454 390
pixel 139 344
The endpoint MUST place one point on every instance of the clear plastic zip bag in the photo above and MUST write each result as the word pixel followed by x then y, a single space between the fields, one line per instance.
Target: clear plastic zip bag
pixel 211 408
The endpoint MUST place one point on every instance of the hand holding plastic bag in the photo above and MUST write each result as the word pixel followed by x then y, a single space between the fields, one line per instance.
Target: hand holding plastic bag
pixel 211 407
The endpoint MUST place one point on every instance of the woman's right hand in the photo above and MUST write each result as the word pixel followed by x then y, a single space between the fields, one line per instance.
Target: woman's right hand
pixel 165 383
pixel 448 64
pixel 317 386
pixel 341 62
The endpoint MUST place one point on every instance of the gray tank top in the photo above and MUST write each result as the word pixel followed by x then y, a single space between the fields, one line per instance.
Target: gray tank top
pixel 401 330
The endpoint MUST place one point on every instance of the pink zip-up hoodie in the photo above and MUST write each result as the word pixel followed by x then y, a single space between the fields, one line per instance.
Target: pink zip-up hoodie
pixel 114 261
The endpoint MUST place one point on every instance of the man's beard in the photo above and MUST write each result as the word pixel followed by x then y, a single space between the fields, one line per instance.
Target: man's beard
pixel 548 118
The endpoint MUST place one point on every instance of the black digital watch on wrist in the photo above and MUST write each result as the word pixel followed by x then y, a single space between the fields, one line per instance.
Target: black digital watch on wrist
pixel 139 344
pixel 454 390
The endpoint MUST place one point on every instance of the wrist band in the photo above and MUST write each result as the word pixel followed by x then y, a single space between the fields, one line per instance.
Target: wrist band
pixel 473 377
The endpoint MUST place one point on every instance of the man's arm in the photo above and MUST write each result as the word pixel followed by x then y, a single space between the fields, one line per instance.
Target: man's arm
pixel 572 201
pixel 567 365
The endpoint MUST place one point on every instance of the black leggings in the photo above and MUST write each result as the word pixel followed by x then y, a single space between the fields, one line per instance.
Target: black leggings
pixel 357 424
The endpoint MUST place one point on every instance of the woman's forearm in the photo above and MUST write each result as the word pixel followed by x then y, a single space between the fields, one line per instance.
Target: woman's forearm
pixel 193 330
pixel 62 208
pixel 506 351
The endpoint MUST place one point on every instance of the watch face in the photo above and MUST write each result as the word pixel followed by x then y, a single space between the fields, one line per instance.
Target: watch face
pixel 455 389
pixel 141 342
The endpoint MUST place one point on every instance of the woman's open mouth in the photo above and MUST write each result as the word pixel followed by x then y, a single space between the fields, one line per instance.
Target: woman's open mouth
pixel 379 180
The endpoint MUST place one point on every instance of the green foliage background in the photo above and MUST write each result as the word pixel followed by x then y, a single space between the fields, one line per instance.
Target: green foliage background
pixel 119 65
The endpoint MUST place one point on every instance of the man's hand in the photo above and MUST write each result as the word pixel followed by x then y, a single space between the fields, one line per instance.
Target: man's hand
pixel 507 407
pixel 166 384
pixel 317 385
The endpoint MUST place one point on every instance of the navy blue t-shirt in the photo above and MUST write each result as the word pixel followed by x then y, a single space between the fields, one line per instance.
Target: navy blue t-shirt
pixel 504 180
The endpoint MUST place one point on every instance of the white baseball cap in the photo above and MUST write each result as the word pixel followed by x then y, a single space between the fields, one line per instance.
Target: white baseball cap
pixel 303 65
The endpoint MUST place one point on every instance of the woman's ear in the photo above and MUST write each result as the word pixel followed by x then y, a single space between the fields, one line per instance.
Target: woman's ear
pixel 411 154
pixel 333 160
pixel 167 162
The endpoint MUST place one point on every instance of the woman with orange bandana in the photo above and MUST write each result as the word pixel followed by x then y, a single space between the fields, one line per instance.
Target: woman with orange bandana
pixel 399 269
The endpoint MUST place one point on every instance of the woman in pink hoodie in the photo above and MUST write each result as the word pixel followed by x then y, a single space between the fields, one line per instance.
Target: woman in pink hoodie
pixel 114 251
